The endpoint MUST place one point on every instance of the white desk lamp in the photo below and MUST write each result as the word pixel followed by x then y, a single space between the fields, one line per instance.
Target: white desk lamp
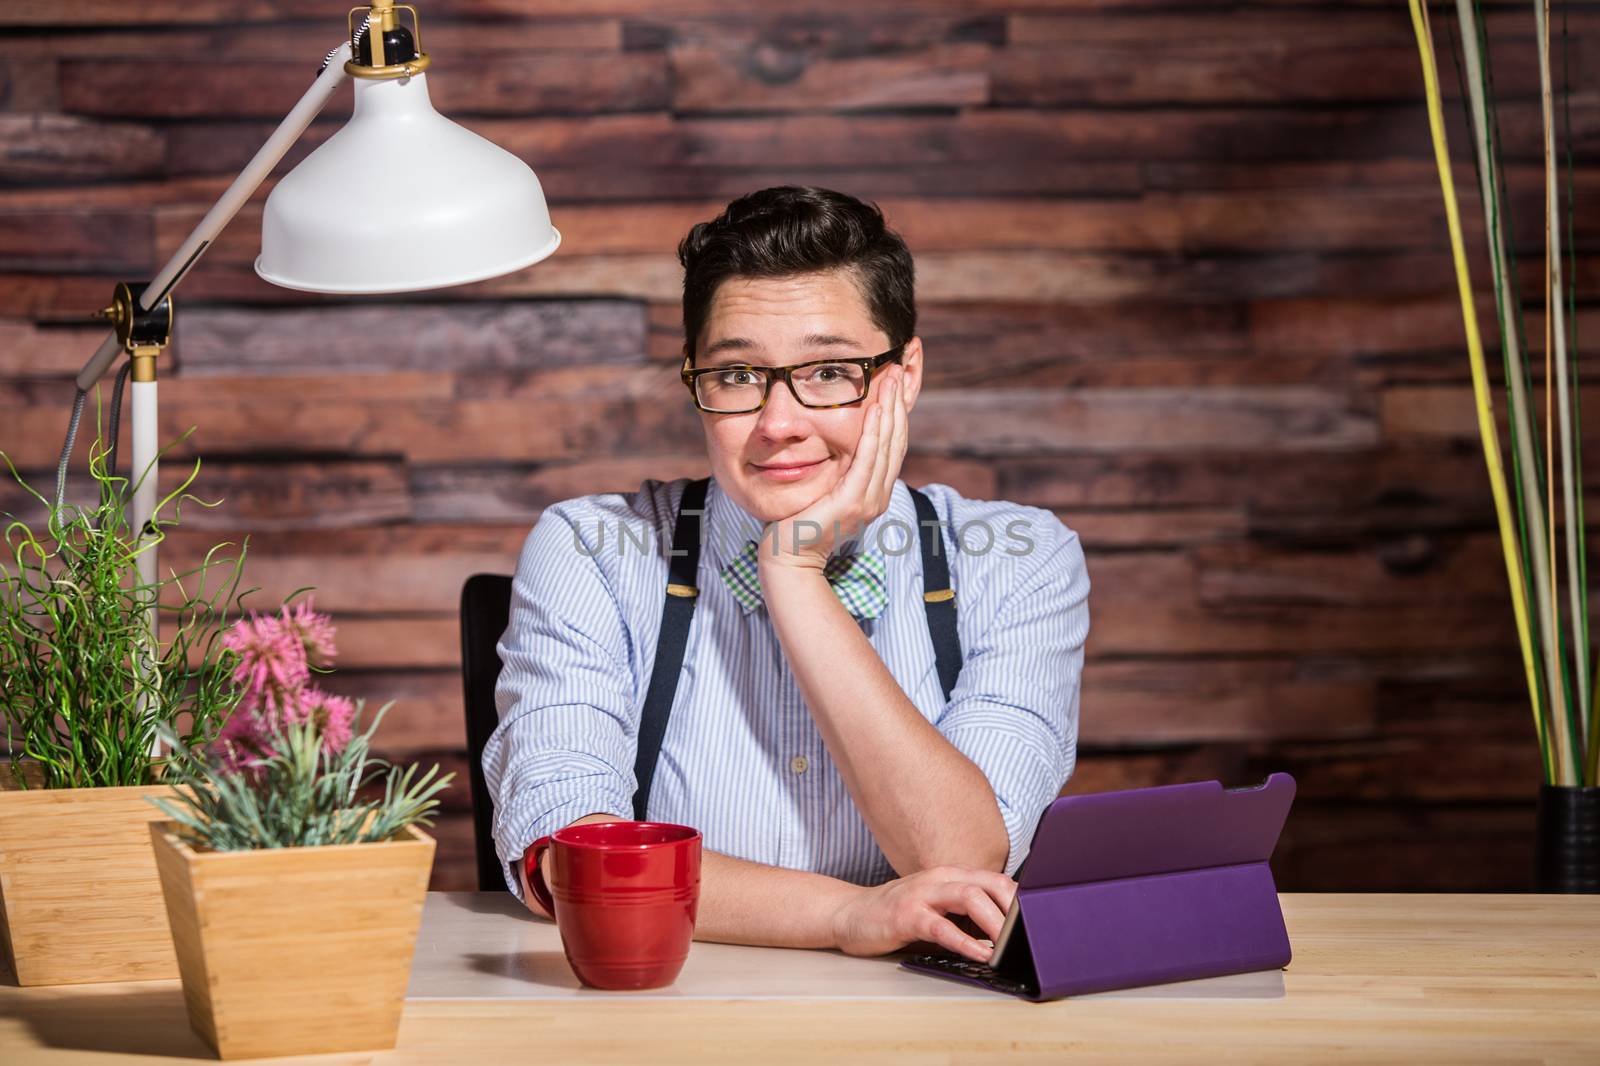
pixel 398 200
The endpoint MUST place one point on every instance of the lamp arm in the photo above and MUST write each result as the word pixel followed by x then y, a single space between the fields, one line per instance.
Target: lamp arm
pixel 249 180
pixel 144 421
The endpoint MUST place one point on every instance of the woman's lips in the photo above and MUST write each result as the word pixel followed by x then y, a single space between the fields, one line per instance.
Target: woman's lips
pixel 786 473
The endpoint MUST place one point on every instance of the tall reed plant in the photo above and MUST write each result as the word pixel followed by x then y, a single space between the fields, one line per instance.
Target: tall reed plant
pixel 1552 629
pixel 85 685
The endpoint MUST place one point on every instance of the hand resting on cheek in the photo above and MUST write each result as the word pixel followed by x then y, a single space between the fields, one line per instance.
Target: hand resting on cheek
pixel 805 540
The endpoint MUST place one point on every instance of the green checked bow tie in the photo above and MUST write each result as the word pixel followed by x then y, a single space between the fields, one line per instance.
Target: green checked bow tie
pixel 858 581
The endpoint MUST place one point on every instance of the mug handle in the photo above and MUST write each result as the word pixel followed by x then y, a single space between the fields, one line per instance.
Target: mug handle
pixel 533 877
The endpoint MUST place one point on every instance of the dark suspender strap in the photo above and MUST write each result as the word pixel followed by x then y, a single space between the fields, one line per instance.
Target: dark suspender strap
pixel 938 597
pixel 683 564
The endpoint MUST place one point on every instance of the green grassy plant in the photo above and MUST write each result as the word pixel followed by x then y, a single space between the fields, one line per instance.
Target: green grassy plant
pixel 85 687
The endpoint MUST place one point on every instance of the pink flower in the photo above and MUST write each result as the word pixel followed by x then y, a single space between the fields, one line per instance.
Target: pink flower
pixel 271 656
pixel 333 716
pixel 313 630
pixel 276 653
pixel 242 740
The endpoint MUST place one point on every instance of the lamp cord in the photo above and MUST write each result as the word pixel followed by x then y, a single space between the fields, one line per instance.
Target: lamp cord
pixel 355 44
pixel 116 413
pixel 72 431
pixel 66 451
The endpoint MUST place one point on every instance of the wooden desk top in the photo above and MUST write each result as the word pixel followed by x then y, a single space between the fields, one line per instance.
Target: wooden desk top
pixel 1414 978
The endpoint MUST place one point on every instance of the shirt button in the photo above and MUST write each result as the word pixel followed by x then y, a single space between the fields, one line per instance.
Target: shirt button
pixel 798 764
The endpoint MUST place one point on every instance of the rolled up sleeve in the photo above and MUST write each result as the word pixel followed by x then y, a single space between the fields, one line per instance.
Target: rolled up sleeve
pixel 568 727
pixel 1014 710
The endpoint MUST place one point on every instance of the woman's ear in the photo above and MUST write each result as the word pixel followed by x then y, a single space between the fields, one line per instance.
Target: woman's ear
pixel 911 371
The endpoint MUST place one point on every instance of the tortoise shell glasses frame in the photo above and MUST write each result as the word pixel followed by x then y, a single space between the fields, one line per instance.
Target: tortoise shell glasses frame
pixel 869 364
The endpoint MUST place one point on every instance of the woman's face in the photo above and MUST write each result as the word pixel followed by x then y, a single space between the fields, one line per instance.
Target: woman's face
pixel 779 322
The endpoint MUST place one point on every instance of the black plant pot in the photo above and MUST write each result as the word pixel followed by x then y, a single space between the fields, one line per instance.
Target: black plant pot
pixel 1567 847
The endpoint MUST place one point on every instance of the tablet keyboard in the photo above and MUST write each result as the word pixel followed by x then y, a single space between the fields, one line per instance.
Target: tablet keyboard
pixel 959 966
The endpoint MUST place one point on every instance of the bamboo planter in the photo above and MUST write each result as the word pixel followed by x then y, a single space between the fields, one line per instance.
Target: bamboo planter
pixel 80 900
pixel 295 951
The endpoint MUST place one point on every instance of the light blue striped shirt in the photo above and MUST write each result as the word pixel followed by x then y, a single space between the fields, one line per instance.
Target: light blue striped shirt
pixel 742 760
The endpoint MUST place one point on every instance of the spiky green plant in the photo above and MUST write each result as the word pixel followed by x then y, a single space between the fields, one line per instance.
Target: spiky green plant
pixel 84 683
pixel 293 791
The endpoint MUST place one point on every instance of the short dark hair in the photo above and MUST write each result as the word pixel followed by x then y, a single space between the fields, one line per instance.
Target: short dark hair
pixel 788 230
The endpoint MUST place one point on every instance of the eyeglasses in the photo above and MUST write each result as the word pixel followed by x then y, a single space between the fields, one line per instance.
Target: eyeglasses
pixel 738 388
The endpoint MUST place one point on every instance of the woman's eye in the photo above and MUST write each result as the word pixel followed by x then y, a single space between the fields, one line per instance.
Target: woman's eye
pixel 827 374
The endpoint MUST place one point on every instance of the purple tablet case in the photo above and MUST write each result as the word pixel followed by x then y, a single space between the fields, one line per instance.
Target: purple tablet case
pixel 1146 886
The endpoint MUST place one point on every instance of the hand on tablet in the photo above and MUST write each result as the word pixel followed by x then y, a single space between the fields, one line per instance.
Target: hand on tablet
pixel 914 908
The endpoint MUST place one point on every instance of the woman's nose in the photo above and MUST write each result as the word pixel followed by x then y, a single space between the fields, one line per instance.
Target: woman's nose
pixel 784 416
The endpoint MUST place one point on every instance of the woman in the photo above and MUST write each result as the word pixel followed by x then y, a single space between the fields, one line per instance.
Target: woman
pixel 864 754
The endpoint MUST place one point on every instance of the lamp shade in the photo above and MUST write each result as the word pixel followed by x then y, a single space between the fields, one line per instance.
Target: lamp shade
pixel 401 199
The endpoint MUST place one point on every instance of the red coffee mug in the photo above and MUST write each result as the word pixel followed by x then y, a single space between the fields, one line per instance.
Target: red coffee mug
pixel 624 895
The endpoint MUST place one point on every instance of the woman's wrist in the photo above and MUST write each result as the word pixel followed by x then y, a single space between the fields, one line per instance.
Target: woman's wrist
pixel 837 905
pixel 827 900
pixel 786 580
pixel 790 568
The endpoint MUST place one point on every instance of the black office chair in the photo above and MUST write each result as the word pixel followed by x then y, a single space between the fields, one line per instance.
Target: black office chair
pixel 485 611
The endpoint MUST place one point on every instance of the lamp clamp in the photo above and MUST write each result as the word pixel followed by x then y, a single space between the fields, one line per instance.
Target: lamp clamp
pixel 142 334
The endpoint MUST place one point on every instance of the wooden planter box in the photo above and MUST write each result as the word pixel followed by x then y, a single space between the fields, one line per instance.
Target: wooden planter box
pixel 79 897
pixel 295 951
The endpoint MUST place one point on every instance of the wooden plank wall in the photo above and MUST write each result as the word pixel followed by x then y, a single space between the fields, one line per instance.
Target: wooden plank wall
pixel 1183 278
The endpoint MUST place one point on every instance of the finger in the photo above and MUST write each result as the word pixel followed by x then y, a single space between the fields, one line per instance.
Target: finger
pixel 856 474
pixel 956 897
pixel 942 931
pixel 888 402
pixel 901 435
pixel 1003 888
pixel 880 460
pixel 1000 887
pixel 858 478
pixel 871 434
pixel 982 908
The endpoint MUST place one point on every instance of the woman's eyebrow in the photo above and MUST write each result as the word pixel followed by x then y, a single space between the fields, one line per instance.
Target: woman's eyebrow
pixel 830 340
pixel 745 348
pixel 742 345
